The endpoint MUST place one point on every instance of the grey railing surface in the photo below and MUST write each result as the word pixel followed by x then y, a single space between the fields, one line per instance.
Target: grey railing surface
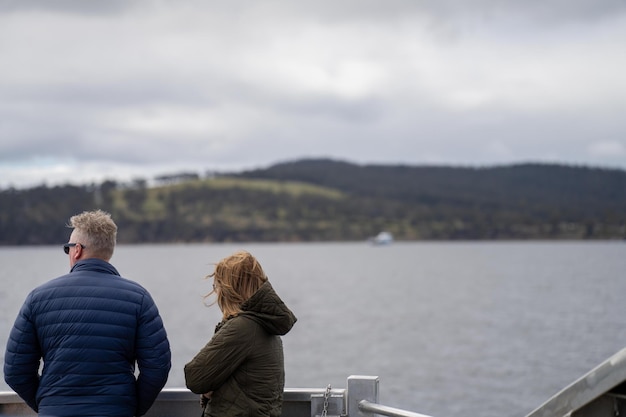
pixel 383 410
pixel 598 393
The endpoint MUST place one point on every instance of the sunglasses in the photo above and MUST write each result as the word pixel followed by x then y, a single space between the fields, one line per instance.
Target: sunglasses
pixel 67 246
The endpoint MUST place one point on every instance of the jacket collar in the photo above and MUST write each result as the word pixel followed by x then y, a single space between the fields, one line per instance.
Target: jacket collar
pixel 94 265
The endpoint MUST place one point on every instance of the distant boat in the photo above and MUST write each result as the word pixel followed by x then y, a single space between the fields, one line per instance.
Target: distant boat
pixel 383 238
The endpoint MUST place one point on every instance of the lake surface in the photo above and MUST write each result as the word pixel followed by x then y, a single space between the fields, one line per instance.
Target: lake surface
pixel 451 329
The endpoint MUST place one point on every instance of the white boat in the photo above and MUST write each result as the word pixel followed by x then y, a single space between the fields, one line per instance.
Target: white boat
pixel 383 238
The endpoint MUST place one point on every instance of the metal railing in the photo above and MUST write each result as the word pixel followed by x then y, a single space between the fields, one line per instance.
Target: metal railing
pixel 599 393
pixel 358 399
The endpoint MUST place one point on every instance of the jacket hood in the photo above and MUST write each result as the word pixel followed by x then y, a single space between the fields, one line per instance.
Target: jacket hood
pixel 266 308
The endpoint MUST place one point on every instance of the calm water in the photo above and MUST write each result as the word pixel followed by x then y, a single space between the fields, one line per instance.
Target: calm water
pixel 451 329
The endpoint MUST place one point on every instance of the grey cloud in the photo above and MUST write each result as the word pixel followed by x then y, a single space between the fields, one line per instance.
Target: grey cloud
pixel 278 80
pixel 537 11
pixel 331 10
pixel 82 7
pixel 548 10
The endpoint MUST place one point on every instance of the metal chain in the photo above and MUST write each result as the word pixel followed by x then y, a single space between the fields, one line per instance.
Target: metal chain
pixel 326 396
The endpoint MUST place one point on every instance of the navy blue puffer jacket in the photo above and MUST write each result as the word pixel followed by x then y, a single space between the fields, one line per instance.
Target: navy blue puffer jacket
pixel 91 327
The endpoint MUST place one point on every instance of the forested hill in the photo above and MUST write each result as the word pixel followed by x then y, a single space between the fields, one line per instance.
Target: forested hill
pixel 516 186
pixel 327 200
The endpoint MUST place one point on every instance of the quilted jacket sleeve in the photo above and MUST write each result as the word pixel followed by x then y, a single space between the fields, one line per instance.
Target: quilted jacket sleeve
pixel 153 356
pixel 22 357
pixel 219 358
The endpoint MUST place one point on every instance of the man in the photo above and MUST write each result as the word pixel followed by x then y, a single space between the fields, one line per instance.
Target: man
pixel 90 327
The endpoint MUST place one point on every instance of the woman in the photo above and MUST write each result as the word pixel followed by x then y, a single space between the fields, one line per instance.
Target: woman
pixel 240 371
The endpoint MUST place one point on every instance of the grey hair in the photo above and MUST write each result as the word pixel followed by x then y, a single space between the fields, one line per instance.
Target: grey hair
pixel 97 231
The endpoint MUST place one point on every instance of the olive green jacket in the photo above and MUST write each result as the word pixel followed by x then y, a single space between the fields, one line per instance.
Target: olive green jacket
pixel 243 365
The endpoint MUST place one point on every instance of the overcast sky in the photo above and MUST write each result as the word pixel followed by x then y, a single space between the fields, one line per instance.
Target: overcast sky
pixel 118 89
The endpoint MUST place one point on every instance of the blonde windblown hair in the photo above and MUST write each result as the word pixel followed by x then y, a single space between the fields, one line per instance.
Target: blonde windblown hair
pixel 235 279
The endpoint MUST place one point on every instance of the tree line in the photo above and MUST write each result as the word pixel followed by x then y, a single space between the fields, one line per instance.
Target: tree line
pixel 328 200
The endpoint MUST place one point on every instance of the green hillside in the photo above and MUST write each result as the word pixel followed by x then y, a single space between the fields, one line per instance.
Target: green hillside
pixel 326 200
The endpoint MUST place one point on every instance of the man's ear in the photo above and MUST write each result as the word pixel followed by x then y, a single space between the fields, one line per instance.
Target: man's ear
pixel 78 251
